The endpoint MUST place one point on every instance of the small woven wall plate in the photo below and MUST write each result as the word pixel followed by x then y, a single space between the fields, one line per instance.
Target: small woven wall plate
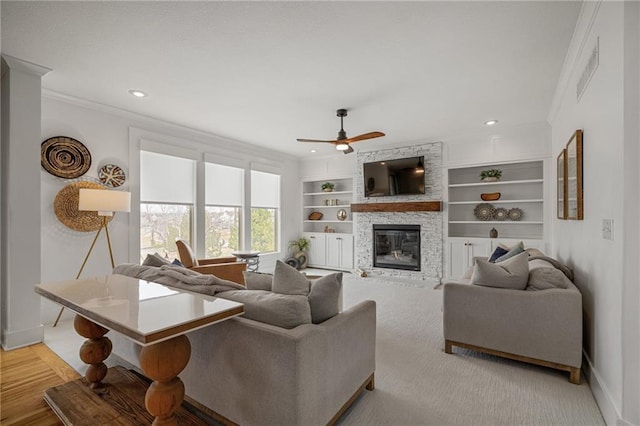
pixel 483 211
pixel 65 157
pixel 65 206
pixel 515 214
pixel 500 214
pixel 111 175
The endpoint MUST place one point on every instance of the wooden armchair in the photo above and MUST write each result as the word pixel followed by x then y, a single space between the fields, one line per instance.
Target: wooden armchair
pixel 226 268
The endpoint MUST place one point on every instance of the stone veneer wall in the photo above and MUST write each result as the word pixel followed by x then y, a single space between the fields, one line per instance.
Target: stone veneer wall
pixel 431 223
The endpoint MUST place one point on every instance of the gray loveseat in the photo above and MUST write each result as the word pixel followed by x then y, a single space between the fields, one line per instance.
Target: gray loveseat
pixel 540 324
pixel 254 373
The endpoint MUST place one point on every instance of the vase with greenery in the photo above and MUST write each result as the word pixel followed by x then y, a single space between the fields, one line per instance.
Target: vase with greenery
pixel 328 186
pixel 491 175
pixel 299 248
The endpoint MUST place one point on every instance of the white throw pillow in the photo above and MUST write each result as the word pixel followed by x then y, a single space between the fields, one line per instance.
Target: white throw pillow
pixel 512 273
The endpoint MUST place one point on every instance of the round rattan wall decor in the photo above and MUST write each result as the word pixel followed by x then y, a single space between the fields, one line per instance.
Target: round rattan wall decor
pixel 65 207
pixel 65 157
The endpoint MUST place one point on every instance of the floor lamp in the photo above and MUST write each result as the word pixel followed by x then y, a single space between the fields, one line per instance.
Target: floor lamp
pixel 105 203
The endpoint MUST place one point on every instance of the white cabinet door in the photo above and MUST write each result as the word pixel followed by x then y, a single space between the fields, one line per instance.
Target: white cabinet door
pixel 461 252
pixel 317 248
pixel 340 251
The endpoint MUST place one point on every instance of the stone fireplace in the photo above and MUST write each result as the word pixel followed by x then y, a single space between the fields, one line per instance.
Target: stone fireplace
pixel 396 247
pixel 425 268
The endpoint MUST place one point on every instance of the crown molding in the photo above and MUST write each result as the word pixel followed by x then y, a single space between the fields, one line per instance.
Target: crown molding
pixel 138 119
pixel 11 62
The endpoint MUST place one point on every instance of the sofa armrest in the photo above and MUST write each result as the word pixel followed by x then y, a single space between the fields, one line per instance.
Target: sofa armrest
pixel 215 260
pixel 226 271
pixel 543 324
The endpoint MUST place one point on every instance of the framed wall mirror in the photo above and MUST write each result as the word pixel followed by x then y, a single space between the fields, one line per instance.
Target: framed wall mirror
pixel 562 184
pixel 573 197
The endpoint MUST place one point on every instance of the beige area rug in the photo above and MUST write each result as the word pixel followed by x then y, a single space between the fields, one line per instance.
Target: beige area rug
pixel 418 384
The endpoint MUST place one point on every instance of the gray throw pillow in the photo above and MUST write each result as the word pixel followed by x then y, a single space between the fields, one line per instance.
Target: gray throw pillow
pixel 257 280
pixel 544 275
pixel 324 297
pixel 288 280
pixel 281 310
pixel 155 260
pixel 512 273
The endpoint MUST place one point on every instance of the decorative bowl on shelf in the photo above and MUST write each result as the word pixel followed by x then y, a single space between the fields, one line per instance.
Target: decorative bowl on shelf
pixel 315 216
pixel 490 196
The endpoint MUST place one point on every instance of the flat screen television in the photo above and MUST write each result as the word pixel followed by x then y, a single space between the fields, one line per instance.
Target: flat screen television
pixel 394 177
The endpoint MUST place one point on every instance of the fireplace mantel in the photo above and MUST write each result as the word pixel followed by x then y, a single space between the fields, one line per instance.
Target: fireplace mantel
pixel 408 206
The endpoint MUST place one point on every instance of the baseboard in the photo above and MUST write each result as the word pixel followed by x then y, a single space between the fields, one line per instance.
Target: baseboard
pixel 19 339
pixel 602 395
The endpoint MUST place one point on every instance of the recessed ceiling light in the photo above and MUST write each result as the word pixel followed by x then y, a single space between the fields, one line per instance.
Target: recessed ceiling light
pixel 138 93
pixel 490 122
pixel 313 150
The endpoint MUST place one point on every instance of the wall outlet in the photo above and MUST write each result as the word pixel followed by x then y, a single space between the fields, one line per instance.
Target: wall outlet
pixel 607 229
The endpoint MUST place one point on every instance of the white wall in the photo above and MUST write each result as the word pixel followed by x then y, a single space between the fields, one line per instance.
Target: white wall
pixel 106 133
pixel 599 264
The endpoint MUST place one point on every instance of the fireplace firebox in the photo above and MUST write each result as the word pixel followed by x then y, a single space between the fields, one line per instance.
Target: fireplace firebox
pixel 396 247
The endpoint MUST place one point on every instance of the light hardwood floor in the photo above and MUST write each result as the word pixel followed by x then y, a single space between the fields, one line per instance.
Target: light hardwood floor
pixel 24 375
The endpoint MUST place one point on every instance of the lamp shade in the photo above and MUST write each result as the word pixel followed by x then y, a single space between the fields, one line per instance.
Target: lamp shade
pixel 104 201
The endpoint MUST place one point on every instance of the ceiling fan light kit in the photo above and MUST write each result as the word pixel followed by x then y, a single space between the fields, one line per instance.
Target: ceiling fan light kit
pixel 342 141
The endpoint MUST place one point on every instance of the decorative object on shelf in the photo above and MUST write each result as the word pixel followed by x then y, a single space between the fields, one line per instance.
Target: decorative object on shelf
pixel 493 233
pixel 491 175
pixel 342 214
pixel 500 214
pixel 103 203
pixel 483 211
pixel 328 187
pixel 65 207
pixel 64 157
pixel 329 230
pixel 315 216
pixel 573 196
pixel 331 202
pixel 561 165
pixel 515 214
pixel 299 247
pixel 111 175
pixel 490 196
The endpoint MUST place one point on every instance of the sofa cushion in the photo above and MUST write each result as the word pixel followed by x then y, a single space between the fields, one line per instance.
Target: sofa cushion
pixel 282 310
pixel 288 280
pixel 513 251
pixel 512 273
pixel 544 275
pixel 498 252
pixel 324 297
pixel 155 260
pixel 257 280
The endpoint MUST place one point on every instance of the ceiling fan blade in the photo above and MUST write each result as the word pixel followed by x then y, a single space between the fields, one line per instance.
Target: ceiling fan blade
pixel 314 140
pixel 364 136
pixel 348 150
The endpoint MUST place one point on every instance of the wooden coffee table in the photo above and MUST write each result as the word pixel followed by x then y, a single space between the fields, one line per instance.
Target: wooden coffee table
pixel 152 315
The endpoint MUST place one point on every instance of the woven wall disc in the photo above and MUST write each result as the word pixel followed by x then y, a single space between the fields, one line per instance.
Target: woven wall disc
pixel 65 207
pixel 111 175
pixel 65 157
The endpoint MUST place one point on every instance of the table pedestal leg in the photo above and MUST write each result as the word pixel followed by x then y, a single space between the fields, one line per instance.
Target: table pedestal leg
pixel 162 362
pixel 93 351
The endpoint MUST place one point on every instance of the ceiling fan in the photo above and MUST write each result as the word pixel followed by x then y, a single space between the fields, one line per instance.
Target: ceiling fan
pixel 342 141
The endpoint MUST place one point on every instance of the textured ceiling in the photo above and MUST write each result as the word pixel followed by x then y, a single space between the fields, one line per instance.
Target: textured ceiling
pixel 267 73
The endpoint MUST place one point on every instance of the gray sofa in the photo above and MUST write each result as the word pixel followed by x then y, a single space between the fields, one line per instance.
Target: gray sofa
pixel 254 373
pixel 541 324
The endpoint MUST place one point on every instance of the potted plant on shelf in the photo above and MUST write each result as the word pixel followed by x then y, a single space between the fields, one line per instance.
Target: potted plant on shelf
pixel 491 175
pixel 299 248
pixel 328 186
